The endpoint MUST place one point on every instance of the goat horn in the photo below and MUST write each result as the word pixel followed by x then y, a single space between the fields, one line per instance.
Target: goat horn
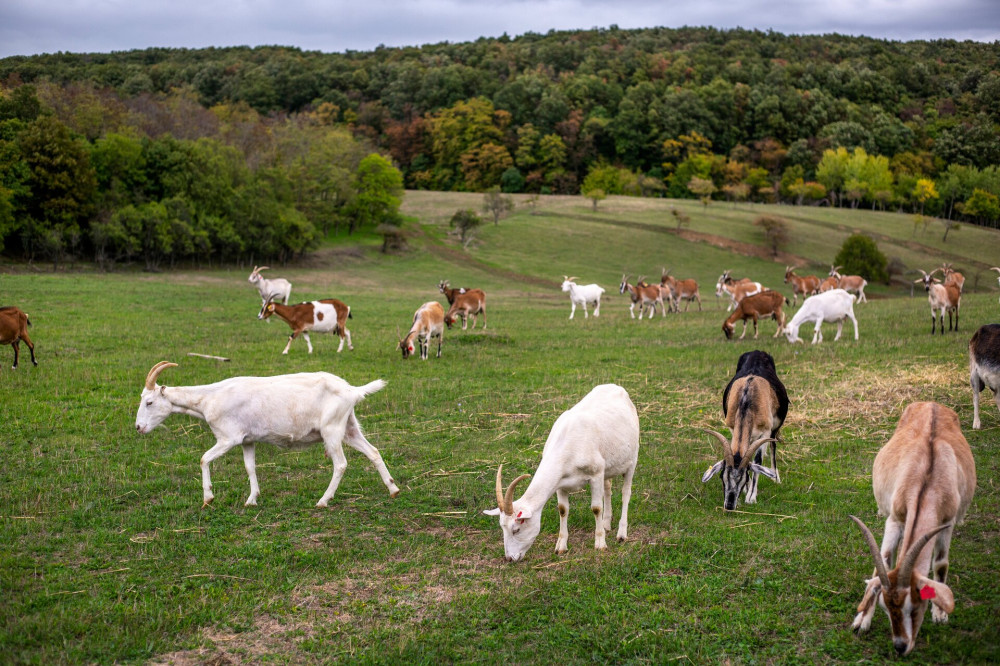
pixel 873 547
pixel 727 451
pixel 752 451
pixel 573 278
pixel 263 268
pixel 508 498
pixel 994 268
pixel 500 489
pixel 155 372
pixel 906 566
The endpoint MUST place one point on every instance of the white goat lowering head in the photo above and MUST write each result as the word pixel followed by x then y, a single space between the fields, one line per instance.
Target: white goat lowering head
pixel 735 474
pixel 154 408
pixel 902 593
pixel 519 525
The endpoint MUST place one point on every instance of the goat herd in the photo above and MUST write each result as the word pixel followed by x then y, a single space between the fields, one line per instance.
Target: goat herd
pixel 923 478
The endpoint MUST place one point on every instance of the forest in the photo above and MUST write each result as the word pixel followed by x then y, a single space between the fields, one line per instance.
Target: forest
pixel 257 154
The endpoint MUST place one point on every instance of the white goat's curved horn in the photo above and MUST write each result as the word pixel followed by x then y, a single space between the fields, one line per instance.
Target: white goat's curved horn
pixel 572 278
pixel 155 372
pixel 727 451
pixel 906 565
pixel 263 268
pixel 994 268
pixel 752 451
pixel 500 489
pixel 873 547
pixel 508 498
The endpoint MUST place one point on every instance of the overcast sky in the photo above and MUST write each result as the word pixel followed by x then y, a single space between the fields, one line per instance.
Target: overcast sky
pixel 47 26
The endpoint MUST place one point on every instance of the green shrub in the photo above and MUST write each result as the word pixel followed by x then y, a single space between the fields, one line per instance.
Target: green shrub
pixel 859 255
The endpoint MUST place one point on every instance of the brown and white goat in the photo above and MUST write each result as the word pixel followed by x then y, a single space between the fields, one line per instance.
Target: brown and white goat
pixel 428 322
pixel 680 290
pixel 941 297
pixel 754 405
pixel 737 289
pixel 472 302
pixel 923 480
pixel 13 329
pixel 765 304
pixel 444 286
pixel 646 295
pixel 852 284
pixel 326 316
pixel 984 366
pixel 951 276
pixel 806 285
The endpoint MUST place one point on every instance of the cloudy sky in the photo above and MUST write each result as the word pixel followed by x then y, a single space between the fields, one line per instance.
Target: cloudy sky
pixel 47 26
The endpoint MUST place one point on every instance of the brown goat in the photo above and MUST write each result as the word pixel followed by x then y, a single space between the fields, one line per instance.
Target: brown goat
pixel 13 329
pixel 765 304
pixel 472 302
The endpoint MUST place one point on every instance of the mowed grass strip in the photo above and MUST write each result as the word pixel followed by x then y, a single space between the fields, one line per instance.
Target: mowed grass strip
pixel 107 555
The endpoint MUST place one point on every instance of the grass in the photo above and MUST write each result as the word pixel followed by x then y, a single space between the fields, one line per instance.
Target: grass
pixel 107 556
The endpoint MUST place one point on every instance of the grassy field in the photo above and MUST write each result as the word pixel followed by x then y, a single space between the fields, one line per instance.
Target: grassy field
pixel 106 554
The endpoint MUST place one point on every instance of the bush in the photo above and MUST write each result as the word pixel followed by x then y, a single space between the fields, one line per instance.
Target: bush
pixel 775 232
pixel 859 255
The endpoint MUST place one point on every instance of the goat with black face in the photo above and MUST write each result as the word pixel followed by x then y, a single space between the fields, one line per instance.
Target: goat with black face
pixel 754 405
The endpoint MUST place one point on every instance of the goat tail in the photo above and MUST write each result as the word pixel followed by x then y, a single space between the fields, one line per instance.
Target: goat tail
pixel 349 312
pixel 369 388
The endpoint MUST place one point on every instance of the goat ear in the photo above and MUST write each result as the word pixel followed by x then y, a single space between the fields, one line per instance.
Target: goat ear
pixel 492 512
pixel 162 388
pixel 766 471
pixel 939 594
pixel 522 515
pixel 712 471
pixel 872 590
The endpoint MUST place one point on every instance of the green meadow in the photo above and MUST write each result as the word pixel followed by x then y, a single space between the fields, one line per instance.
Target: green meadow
pixel 107 555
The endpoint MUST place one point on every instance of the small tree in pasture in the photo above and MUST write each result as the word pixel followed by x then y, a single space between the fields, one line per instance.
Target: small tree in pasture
pixel 776 233
pixel 497 204
pixel 859 255
pixel 465 221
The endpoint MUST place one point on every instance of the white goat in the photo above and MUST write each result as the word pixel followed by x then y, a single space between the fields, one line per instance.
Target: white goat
pixel 289 411
pixel 835 305
pixel 592 442
pixel 581 295
pixel 278 289
pixel 923 480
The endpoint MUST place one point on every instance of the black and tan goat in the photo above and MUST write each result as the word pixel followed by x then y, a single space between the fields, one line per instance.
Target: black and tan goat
pixel 754 405
pixel 765 304
pixel 471 303
pixel 984 366
pixel 923 480
pixel 13 329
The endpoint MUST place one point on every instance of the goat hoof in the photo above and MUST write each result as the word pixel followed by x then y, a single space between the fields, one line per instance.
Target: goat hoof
pixel 394 494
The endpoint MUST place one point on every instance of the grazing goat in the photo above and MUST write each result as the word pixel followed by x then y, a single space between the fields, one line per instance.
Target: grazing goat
pixel 807 285
pixel 582 295
pixel 737 289
pixel 270 290
pixel 289 411
pixel 680 290
pixel 951 276
pixel 428 322
pixel 754 405
pixel 852 284
pixel 835 305
pixel 646 295
pixel 326 316
pixel 923 479
pixel 828 283
pixel 765 304
pixel 444 286
pixel 594 441
pixel 995 268
pixel 984 366
pixel 13 329
pixel 941 297
pixel 472 302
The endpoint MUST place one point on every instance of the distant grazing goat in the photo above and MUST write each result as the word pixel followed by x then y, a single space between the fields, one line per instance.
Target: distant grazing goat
pixel 428 322
pixel 582 295
pixel 680 290
pixel 984 366
pixel 472 302
pixel 754 405
pixel 289 411
pixel 765 304
pixel 592 442
pixel 923 480
pixel 278 289
pixel 835 305
pixel 326 316
pixel 13 329
pixel 942 297
pixel 444 286
pixel 737 289
pixel 646 295
pixel 852 284
pixel 806 285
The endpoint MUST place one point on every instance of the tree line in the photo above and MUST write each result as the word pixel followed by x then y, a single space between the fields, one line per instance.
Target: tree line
pixel 691 112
